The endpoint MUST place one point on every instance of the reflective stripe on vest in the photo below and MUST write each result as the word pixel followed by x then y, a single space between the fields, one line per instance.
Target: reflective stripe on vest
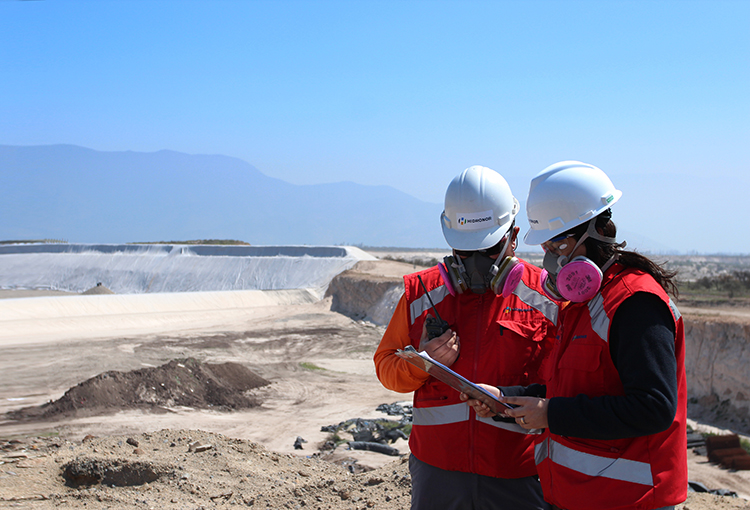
pixel 599 319
pixel 675 311
pixel 440 415
pixel 538 301
pixel 531 297
pixel 422 304
pixel 512 427
pixel 443 415
pixel 592 465
pixel 540 451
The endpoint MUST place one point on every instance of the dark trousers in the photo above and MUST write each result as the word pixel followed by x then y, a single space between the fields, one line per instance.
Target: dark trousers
pixel 437 489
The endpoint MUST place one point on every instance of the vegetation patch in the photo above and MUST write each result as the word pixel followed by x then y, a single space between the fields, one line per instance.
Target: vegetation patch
pixel 310 366
pixel 416 261
pixel 231 242
pixel 35 241
pixel 731 289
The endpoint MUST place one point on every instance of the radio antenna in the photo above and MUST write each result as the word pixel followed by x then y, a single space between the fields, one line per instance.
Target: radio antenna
pixel 435 326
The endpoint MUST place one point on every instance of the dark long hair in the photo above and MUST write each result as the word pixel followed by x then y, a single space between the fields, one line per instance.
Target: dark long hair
pixel 600 252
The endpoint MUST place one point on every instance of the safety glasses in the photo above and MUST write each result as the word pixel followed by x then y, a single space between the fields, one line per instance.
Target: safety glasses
pixel 557 243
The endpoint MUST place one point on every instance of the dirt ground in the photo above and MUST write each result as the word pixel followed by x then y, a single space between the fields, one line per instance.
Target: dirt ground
pixel 178 454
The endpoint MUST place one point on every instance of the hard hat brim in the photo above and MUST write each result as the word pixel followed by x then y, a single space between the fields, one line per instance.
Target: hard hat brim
pixel 477 240
pixel 537 237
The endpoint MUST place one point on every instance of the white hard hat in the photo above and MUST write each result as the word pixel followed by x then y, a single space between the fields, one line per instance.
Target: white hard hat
pixel 565 195
pixel 479 209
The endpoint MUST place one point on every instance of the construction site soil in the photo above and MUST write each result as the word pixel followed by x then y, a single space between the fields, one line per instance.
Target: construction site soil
pixel 185 382
pixel 263 414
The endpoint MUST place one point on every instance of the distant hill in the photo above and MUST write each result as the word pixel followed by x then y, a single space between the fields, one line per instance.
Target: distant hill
pixel 82 195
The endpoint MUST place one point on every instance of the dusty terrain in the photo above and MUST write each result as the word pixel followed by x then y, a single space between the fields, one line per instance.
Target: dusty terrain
pixel 320 369
pixel 173 454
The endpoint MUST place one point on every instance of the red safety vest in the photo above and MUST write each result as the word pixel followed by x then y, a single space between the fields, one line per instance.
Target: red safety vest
pixel 503 343
pixel 643 472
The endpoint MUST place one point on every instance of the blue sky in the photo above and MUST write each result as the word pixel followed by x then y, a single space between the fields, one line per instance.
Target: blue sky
pixel 408 93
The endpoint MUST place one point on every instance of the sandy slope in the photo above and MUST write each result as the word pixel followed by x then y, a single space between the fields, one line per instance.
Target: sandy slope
pixel 272 341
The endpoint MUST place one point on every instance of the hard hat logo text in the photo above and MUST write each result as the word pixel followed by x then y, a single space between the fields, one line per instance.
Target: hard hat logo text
pixel 474 221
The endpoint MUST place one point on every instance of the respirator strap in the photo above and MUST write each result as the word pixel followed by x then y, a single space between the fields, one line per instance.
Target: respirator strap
pixel 591 232
pixel 611 261
pixel 461 268
pixel 499 260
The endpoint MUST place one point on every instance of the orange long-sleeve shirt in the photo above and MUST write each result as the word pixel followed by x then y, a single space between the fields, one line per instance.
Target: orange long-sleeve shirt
pixel 395 373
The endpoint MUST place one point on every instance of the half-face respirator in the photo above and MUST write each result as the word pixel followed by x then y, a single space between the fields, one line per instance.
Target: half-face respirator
pixel 479 271
pixel 579 279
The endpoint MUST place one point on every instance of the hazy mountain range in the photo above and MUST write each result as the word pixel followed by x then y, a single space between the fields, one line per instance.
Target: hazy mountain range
pixel 82 195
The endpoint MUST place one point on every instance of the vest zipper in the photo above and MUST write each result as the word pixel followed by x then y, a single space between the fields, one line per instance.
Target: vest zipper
pixel 477 353
pixel 556 352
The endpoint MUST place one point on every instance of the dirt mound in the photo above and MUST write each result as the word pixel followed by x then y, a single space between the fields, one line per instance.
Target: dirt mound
pixel 181 382
pixel 97 290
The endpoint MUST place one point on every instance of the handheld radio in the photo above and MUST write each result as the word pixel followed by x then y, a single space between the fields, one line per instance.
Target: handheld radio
pixel 435 325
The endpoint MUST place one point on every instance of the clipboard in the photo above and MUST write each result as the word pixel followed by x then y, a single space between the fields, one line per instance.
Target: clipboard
pixel 423 361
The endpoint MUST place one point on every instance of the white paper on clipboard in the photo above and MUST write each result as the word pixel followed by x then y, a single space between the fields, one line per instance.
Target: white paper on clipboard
pixel 423 361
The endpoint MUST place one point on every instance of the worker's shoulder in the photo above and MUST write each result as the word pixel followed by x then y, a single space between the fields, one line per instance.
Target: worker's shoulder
pixel 531 268
pixel 429 272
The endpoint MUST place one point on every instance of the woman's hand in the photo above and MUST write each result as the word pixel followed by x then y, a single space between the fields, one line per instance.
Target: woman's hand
pixel 531 412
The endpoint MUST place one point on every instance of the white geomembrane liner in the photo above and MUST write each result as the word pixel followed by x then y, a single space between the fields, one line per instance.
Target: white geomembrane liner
pixel 158 288
pixel 136 269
